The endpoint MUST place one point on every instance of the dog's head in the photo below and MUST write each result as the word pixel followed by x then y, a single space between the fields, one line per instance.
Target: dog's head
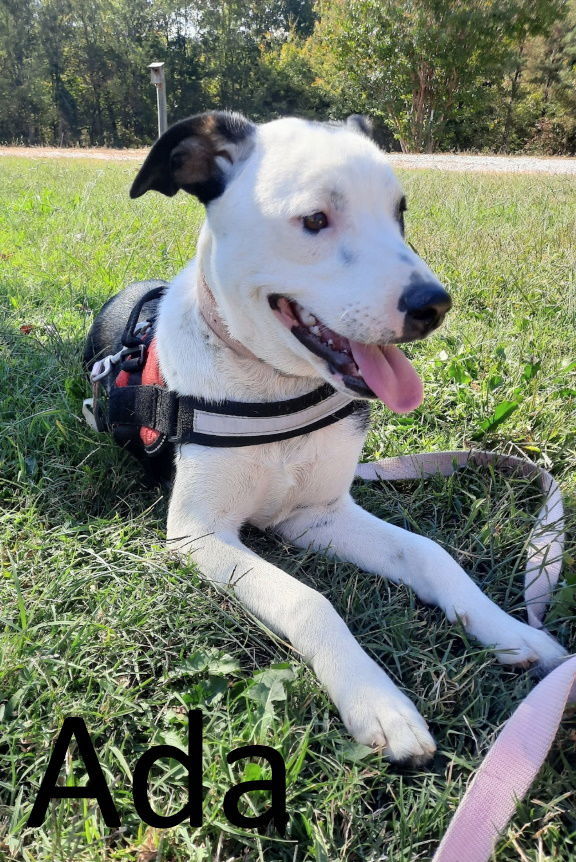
pixel 304 249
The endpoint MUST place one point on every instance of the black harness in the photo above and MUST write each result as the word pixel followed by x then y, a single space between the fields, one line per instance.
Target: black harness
pixel 125 409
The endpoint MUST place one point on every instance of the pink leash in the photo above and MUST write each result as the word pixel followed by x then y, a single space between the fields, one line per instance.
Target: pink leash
pixel 512 763
pixel 508 769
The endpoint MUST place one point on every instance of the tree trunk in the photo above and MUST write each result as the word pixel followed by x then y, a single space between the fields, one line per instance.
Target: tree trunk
pixel 514 89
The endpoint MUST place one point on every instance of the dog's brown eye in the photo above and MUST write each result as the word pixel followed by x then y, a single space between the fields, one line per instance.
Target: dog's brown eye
pixel 315 222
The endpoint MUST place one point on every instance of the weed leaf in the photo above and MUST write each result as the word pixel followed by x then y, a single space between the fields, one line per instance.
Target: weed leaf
pixel 269 686
pixel 500 414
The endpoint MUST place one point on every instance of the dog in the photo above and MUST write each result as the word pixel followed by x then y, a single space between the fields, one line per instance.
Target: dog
pixel 303 283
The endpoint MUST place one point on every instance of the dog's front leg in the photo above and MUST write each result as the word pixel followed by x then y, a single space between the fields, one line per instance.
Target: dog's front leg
pixel 351 533
pixel 373 709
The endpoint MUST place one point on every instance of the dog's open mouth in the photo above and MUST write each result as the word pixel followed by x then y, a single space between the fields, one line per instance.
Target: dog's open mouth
pixel 370 370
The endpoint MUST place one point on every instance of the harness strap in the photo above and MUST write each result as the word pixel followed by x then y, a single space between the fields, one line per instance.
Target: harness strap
pixel 187 419
pixel 130 336
pixel 140 407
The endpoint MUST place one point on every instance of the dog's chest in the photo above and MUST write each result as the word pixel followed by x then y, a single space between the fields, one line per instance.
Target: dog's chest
pixel 264 485
pixel 306 473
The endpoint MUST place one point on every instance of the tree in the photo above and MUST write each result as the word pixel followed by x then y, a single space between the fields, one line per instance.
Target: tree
pixel 418 63
pixel 549 96
pixel 454 74
pixel 25 94
pixel 236 38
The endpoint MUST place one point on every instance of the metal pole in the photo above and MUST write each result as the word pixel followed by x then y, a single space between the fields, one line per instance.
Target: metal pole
pixel 161 96
pixel 157 78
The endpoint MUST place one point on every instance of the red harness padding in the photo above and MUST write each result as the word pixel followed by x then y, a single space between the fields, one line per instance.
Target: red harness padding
pixel 148 375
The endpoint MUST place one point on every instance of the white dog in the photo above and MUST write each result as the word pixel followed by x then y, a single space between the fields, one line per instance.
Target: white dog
pixel 302 286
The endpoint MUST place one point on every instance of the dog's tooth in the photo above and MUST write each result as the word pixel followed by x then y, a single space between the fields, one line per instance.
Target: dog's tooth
pixel 308 318
pixel 315 330
pixel 331 342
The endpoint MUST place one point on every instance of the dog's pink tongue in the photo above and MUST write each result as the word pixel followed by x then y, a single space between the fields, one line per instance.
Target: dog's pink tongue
pixel 390 375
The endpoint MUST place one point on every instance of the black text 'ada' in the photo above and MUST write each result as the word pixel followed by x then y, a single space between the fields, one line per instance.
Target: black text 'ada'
pixel 96 788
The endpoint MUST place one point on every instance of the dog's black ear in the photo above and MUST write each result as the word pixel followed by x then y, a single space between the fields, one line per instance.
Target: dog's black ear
pixel 361 123
pixel 189 156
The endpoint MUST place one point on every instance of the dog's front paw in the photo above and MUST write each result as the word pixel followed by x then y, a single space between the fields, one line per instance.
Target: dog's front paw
pixel 377 714
pixel 516 643
pixel 527 646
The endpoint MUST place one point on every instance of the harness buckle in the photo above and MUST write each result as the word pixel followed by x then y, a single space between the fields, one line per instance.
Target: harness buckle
pixel 136 361
pixel 103 367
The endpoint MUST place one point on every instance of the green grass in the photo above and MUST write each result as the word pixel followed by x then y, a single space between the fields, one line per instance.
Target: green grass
pixel 98 621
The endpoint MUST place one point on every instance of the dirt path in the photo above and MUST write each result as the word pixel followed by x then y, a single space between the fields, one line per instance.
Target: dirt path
pixel 75 153
pixel 440 161
pixel 487 164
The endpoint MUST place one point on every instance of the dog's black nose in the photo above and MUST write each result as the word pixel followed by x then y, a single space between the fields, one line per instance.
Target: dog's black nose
pixel 425 304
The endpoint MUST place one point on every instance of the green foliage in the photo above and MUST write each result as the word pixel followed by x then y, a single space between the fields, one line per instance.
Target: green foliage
pixel 544 113
pixel 419 65
pixel 434 74
pixel 75 71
